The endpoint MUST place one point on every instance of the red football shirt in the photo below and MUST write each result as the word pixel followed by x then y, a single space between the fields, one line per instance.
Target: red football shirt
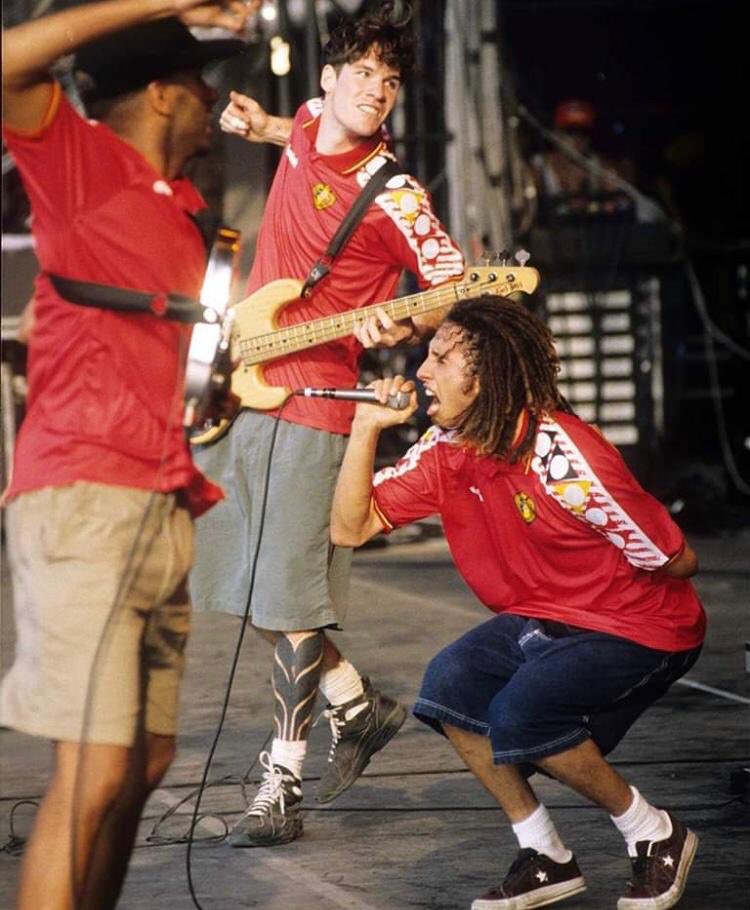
pixel 571 537
pixel 105 388
pixel 310 196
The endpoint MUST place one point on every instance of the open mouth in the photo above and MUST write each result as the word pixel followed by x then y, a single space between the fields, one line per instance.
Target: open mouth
pixel 433 402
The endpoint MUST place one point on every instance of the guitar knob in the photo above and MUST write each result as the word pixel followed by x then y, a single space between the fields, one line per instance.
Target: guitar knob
pixel 522 257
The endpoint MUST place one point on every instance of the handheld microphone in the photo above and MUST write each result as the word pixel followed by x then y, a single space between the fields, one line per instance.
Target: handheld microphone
pixel 397 400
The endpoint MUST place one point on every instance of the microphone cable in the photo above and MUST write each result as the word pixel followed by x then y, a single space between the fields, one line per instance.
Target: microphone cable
pixel 233 668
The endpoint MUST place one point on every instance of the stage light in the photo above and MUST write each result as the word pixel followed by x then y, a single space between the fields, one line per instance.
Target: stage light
pixel 268 11
pixel 280 56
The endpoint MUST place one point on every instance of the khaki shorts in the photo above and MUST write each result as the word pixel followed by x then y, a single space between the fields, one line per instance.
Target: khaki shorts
pixel 101 611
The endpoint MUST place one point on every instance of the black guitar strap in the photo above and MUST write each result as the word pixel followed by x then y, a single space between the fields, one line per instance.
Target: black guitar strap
pixel 175 307
pixel 352 218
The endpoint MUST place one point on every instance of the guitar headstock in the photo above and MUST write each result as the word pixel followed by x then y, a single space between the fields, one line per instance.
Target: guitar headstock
pixel 500 281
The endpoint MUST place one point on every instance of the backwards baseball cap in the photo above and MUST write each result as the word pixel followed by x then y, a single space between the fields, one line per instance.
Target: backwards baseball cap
pixel 129 59
pixel 575 114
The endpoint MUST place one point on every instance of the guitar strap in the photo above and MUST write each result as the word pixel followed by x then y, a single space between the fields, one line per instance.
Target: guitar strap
pixel 175 307
pixel 356 213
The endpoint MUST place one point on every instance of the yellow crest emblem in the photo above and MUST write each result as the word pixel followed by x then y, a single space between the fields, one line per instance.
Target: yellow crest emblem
pixel 526 508
pixel 323 196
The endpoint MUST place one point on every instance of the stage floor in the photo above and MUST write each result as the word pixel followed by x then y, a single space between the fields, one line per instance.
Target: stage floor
pixel 417 830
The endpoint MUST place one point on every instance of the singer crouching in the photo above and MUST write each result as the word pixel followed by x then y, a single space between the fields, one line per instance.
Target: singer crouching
pixel 586 572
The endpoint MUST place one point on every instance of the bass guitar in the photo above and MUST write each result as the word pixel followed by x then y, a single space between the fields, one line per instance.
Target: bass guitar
pixel 255 337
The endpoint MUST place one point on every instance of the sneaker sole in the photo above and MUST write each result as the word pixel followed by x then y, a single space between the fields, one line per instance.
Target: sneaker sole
pixel 668 898
pixel 244 840
pixel 540 897
pixel 370 746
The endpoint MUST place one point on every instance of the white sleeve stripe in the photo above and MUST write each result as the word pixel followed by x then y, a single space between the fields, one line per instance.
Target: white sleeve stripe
pixel 408 207
pixel 619 527
pixel 411 458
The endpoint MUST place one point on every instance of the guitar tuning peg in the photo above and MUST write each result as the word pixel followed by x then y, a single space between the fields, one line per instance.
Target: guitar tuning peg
pixel 502 257
pixel 522 257
pixel 487 256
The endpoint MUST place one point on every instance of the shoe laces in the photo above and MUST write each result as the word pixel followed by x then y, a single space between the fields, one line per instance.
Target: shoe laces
pixel 271 788
pixel 525 856
pixel 336 715
pixel 639 863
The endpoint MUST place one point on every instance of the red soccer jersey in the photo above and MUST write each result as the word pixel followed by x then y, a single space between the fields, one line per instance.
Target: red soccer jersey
pixel 310 196
pixel 571 537
pixel 105 388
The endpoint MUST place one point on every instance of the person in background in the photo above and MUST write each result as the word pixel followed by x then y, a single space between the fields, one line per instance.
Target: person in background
pixel 574 180
pixel 587 575
pixel 104 491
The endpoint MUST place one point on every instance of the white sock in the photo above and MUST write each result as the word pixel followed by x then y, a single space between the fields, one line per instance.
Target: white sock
pixel 341 684
pixel 641 821
pixel 538 831
pixel 290 754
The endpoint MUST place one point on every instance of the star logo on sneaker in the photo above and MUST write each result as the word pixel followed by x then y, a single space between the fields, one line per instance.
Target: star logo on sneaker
pixel 668 861
pixel 542 875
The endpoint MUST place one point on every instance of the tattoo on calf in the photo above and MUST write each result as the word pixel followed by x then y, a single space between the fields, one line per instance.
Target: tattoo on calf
pixel 296 674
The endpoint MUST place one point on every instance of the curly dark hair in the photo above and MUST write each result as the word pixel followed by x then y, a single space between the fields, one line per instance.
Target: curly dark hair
pixel 383 29
pixel 512 353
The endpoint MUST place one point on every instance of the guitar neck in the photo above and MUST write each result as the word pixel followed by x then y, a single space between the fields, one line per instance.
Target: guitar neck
pixel 328 328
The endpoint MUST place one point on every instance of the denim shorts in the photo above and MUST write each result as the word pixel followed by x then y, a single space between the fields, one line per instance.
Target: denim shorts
pixel 537 687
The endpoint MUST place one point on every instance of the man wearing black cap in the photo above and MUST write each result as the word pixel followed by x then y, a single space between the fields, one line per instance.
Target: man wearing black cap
pixel 101 501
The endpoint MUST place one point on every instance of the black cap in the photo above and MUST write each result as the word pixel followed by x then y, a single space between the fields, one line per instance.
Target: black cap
pixel 129 59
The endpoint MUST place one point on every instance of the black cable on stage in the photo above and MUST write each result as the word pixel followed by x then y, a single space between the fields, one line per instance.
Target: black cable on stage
pixel 711 333
pixel 14 844
pixel 235 661
pixel 156 840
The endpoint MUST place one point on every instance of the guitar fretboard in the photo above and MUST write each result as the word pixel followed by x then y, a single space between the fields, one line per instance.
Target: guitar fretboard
pixel 305 335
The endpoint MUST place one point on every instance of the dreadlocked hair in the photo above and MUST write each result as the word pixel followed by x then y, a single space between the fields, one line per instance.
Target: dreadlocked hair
pixel 381 30
pixel 511 352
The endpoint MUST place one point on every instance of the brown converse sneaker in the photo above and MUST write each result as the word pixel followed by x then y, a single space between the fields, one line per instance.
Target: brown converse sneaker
pixel 660 870
pixel 533 880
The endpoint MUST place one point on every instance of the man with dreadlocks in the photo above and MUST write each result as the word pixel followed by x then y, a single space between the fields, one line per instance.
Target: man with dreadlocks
pixel 586 572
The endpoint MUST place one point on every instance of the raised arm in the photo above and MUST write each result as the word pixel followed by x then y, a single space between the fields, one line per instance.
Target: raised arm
pixel 30 49
pixel 244 117
pixel 354 519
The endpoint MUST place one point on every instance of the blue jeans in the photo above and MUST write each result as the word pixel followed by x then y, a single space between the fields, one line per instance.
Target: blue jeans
pixel 537 688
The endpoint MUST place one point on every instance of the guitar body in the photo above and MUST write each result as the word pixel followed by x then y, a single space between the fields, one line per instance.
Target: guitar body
pixel 253 316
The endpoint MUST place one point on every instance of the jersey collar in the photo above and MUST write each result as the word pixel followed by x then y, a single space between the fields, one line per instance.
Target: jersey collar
pixel 346 162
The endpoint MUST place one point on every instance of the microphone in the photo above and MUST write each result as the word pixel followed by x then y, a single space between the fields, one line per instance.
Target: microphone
pixel 397 400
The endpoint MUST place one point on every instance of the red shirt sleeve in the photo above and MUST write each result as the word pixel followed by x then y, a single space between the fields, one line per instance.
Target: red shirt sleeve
pixel 61 164
pixel 414 236
pixel 411 489
pixel 587 476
